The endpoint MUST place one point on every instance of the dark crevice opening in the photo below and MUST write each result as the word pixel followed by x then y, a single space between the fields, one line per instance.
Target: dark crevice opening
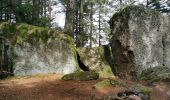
pixel 81 64
pixel 6 63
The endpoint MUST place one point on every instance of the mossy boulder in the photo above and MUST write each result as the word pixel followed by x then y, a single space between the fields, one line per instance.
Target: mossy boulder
pixel 39 50
pixel 81 76
pixel 98 59
pixel 159 73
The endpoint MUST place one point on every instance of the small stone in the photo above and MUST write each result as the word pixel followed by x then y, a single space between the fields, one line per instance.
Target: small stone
pixel 134 97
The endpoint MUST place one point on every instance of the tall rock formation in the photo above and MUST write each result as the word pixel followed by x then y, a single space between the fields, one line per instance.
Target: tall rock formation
pixel 140 40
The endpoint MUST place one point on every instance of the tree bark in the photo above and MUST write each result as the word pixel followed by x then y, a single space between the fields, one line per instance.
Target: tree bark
pixel 99 23
pixel 69 21
pixel 91 22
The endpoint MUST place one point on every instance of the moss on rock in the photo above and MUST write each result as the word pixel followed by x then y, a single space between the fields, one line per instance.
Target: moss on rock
pixel 141 89
pixel 155 74
pixel 81 76
pixel 110 82
pixel 103 84
pixel 18 33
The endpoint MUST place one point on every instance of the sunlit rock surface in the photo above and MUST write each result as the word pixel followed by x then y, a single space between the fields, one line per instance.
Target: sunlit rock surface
pixel 99 59
pixel 140 40
pixel 36 50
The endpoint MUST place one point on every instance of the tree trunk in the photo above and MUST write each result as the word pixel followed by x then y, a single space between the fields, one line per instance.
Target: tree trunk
pixel 121 5
pixel 99 24
pixel 91 22
pixel 77 24
pixel 147 3
pixel 81 25
pixel 69 21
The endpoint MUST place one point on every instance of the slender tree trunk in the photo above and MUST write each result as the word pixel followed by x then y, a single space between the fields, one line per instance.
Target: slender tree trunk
pixel 1 11
pixel 69 21
pixel 81 23
pixel 49 9
pixel 147 3
pixel 34 12
pixel 121 5
pixel 99 24
pixel 77 20
pixel 91 22
pixel 45 8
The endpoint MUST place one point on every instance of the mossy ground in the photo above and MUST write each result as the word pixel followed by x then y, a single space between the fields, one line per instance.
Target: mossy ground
pixel 111 83
pixel 103 84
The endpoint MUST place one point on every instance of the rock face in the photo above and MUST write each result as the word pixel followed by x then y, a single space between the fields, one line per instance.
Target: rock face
pixel 38 50
pixel 98 59
pixel 140 40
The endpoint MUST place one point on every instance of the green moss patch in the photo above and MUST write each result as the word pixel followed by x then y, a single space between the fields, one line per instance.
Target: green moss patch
pixel 103 84
pixel 155 74
pixel 110 82
pixel 119 82
pixel 141 89
pixel 18 33
pixel 81 76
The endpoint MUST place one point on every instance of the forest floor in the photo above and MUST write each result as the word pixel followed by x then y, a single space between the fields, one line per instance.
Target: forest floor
pixel 50 87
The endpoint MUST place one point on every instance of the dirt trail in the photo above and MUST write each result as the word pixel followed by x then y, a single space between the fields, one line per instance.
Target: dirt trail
pixel 50 88
pixel 161 91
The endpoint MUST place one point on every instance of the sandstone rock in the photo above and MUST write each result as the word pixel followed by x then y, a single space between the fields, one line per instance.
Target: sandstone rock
pixel 36 50
pixel 99 59
pixel 140 40
pixel 81 76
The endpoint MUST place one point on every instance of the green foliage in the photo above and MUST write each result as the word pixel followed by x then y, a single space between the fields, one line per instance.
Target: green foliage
pixel 24 12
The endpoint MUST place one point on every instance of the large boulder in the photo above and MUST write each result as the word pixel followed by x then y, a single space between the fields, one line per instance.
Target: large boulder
pixel 98 59
pixel 36 50
pixel 140 40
